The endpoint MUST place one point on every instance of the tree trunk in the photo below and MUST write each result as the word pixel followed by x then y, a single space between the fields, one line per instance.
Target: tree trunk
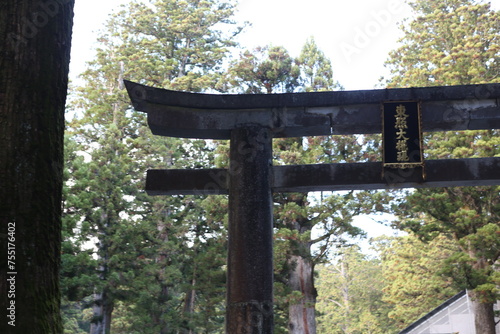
pixel 158 317
pixel 302 314
pixel 344 273
pixel 103 311
pixel 189 301
pixel 35 39
pixel 164 288
pixel 103 302
pixel 484 316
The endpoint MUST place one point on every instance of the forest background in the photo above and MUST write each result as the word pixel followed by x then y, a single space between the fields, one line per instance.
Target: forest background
pixel 158 263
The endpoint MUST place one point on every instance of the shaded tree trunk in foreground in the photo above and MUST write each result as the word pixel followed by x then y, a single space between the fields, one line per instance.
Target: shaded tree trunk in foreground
pixel 35 39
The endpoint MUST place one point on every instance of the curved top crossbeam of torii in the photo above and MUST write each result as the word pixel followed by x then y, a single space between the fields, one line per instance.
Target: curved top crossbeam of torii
pixel 213 116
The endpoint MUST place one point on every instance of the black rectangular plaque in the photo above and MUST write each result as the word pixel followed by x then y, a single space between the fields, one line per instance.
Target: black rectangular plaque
pixel 402 135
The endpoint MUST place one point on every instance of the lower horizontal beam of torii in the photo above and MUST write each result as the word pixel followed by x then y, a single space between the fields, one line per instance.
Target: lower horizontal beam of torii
pixel 333 177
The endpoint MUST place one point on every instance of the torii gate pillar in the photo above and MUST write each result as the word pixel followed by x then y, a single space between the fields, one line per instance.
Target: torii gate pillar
pixel 250 249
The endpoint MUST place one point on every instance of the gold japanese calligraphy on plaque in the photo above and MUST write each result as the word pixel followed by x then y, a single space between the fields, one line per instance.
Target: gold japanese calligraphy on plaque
pixel 401 140
pixel 402 135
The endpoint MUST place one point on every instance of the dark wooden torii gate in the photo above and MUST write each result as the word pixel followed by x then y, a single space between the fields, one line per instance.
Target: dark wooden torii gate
pixel 251 121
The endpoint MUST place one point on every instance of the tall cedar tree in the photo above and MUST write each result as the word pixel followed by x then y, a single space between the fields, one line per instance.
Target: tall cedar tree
pixel 153 253
pixel 271 69
pixel 350 295
pixel 413 279
pixel 455 42
pixel 34 63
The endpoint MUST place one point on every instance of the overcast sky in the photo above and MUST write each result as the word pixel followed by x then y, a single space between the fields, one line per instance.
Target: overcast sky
pixel 355 34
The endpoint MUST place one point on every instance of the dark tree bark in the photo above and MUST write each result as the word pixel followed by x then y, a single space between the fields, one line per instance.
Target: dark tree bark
pixel 35 39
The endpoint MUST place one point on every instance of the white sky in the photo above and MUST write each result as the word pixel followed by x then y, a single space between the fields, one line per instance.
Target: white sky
pixel 355 34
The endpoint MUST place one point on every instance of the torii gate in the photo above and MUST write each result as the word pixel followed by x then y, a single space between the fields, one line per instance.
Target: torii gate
pixel 251 121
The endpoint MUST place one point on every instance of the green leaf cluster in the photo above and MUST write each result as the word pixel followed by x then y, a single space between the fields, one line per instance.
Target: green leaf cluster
pixel 453 42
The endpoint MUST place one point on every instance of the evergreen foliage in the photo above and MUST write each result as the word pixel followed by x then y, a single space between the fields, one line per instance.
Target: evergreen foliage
pixel 350 295
pixel 157 261
pixel 414 282
pixel 316 69
pixel 449 42
pixel 268 69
